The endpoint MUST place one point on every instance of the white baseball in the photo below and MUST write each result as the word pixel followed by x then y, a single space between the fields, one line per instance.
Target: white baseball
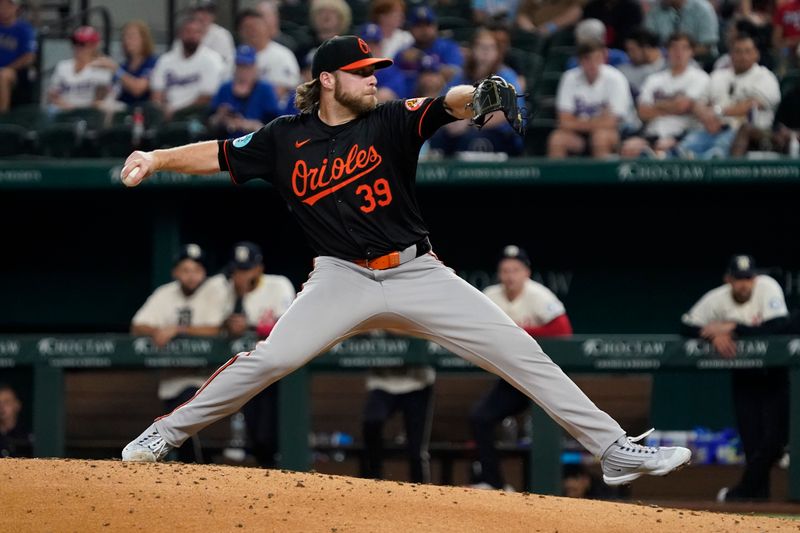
pixel 131 176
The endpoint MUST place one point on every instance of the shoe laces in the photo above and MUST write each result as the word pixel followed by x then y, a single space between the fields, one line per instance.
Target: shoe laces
pixel 634 446
pixel 154 442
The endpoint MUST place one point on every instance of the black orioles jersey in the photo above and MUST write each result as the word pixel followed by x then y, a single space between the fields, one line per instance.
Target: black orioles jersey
pixel 351 187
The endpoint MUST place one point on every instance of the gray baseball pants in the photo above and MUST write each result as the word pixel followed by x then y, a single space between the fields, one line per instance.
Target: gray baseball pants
pixel 423 298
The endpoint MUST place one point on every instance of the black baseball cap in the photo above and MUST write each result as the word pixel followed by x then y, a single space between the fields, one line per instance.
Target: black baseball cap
pixel 191 251
pixel 742 267
pixel 246 255
pixel 345 52
pixel 513 251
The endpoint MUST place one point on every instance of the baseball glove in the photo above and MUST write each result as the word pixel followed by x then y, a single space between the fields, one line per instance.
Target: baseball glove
pixel 496 94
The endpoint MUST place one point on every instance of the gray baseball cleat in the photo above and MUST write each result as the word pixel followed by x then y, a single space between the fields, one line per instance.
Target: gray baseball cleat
pixel 149 447
pixel 625 460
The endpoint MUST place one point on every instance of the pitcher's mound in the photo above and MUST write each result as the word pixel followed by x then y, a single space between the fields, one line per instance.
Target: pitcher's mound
pixel 76 495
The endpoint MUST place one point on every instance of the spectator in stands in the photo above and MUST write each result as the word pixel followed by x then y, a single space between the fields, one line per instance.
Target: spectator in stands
pixel 277 64
pixel 17 56
pixel 215 36
pixel 499 12
pixel 535 308
pixel 269 10
pixel 748 304
pixel 15 440
pixel 390 16
pixel 593 103
pixel 75 82
pixel 548 16
pixel 645 58
pixel 425 29
pixel 667 100
pixel 245 103
pixel 785 127
pixel 496 135
pixel 327 18
pixel 696 18
pixel 188 76
pixel 132 78
pixel 253 303
pixel 735 28
pixel 620 17
pixel 748 92
pixel 786 31
pixel 409 390
pixel 391 82
pixel 590 31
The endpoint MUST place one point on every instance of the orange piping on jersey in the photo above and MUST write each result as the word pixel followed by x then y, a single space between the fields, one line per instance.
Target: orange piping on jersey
pixel 209 380
pixel 227 162
pixel 423 117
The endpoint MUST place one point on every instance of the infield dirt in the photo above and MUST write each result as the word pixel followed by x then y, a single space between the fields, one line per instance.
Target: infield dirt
pixel 76 495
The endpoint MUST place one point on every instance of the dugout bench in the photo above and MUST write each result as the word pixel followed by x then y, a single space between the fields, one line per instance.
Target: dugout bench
pixel 50 356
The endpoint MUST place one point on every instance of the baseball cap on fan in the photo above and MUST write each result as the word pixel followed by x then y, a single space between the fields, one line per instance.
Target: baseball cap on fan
pixel 245 55
pixel 515 252
pixel 345 52
pixel 85 35
pixel 742 267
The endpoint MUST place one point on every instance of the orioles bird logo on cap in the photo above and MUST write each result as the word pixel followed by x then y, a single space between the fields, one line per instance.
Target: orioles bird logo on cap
pixel 363 45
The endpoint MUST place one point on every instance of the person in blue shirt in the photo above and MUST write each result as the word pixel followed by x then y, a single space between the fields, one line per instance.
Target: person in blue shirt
pixel 132 77
pixel 391 82
pixel 496 135
pixel 17 55
pixel 245 103
pixel 425 29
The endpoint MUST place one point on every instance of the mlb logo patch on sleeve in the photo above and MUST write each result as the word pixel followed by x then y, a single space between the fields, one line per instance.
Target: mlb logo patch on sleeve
pixel 412 104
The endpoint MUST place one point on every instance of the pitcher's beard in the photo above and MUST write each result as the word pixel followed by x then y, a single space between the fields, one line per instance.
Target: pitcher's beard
pixel 357 104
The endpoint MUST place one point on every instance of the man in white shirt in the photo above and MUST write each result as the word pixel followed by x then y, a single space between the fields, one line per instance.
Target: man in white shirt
pixel 215 36
pixel 185 306
pixel 667 100
pixel 745 93
pixel 253 302
pixel 748 304
pixel 189 74
pixel 593 103
pixel 75 82
pixel 534 308
pixel 277 65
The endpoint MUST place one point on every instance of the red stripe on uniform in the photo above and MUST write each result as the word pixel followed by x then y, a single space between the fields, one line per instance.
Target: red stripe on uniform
pixel 419 130
pixel 209 380
pixel 227 162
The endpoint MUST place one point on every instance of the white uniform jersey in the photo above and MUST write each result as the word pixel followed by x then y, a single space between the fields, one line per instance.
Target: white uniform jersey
pixel 221 41
pixel 587 100
pixel 184 79
pixel 266 303
pixel 402 380
pixel 399 40
pixel 759 82
pixel 535 306
pixel 691 83
pixel 278 66
pixel 169 306
pixel 718 305
pixel 79 89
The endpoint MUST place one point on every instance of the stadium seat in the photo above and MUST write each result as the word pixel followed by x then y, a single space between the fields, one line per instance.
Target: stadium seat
pixel 536 136
pixel 115 141
pixel 528 41
pixel 557 57
pixel 179 133
pixel 13 140
pixel 789 80
pixel 92 117
pixel 60 140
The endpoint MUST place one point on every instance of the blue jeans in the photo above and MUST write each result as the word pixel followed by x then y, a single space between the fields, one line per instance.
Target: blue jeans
pixel 705 145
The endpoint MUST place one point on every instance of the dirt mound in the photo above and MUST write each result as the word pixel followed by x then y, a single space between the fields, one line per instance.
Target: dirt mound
pixel 75 495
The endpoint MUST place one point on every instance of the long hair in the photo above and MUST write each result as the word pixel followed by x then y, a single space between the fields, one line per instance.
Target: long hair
pixel 144 31
pixel 307 96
